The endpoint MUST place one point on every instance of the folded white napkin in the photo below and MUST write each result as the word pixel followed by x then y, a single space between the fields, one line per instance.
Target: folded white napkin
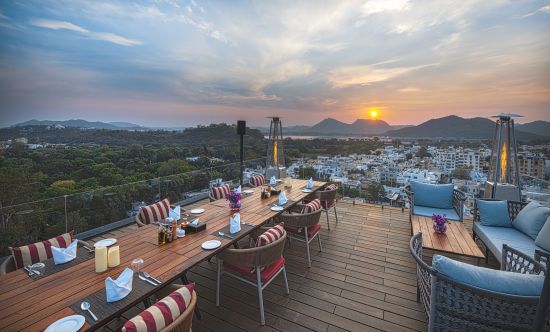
pixel 195 222
pixel 273 181
pixel 64 255
pixel 282 198
pixel 235 223
pixel 121 287
pixel 175 213
pixel 238 189
pixel 309 183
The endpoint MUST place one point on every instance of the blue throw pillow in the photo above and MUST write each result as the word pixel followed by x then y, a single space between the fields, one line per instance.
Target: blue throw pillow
pixel 494 213
pixel 433 195
pixel 543 239
pixel 531 218
pixel 489 279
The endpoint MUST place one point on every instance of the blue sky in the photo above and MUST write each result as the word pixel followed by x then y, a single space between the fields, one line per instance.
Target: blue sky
pixel 179 63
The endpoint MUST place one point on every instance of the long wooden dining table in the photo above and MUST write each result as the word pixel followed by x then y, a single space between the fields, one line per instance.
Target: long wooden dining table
pixel 28 304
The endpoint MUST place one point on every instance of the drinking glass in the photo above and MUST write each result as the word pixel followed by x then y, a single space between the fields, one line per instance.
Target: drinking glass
pixel 136 265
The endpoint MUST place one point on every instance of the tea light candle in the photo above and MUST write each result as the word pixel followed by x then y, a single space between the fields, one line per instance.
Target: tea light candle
pixel 100 259
pixel 113 256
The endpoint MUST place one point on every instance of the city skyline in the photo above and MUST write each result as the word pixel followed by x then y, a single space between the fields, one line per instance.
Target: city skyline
pixel 182 63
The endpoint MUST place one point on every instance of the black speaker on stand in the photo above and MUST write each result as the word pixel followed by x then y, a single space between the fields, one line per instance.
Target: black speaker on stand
pixel 241 130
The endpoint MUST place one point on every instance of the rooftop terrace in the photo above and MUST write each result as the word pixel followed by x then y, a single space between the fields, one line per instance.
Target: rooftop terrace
pixel 364 280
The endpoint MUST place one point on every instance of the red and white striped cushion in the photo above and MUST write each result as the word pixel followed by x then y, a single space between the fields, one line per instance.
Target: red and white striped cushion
pixel 220 191
pixel 155 212
pixel 312 206
pixel 162 313
pixel 39 251
pixel 272 234
pixel 329 204
pixel 257 180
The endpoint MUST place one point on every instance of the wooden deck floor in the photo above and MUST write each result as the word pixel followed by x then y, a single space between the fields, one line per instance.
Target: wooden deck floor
pixel 364 280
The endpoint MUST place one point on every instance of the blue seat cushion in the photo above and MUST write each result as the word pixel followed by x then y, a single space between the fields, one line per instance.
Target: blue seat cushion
pixel 494 213
pixel 433 195
pixel 488 279
pixel 495 237
pixel 450 214
pixel 543 239
pixel 531 219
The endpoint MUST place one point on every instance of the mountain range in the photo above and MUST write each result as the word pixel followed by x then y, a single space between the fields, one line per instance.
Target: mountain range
pixel 446 127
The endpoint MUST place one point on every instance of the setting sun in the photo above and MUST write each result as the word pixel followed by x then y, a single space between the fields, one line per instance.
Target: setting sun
pixel 373 112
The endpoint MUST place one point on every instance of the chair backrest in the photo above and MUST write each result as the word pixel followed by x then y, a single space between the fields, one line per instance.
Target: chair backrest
pixel 257 256
pixel 300 220
pixel 423 272
pixel 154 212
pixel 326 195
pixel 185 320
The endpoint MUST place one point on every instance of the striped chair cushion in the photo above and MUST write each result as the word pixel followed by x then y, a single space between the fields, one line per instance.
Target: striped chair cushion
pixel 155 212
pixel 257 180
pixel 162 313
pixel 220 191
pixel 329 204
pixel 271 235
pixel 39 251
pixel 312 206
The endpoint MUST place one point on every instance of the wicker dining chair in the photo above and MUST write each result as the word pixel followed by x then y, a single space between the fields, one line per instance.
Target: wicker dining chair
pixel 8 265
pixel 256 266
pixel 183 322
pixel 451 305
pixel 328 202
pixel 303 227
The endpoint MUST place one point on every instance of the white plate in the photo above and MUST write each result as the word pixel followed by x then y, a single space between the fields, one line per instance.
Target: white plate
pixel 306 190
pixel 105 243
pixel 197 211
pixel 212 244
pixel 277 208
pixel 248 191
pixel 67 324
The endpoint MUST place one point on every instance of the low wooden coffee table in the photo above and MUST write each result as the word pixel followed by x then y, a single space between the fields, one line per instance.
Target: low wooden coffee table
pixel 457 240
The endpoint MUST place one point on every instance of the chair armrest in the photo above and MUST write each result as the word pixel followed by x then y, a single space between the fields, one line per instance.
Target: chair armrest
pixel 543 258
pixel 514 260
pixel 7 266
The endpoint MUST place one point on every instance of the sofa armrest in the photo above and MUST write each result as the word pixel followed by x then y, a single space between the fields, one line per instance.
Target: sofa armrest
pixel 514 260
pixel 543 258
pixel 458 203
pixel 410 197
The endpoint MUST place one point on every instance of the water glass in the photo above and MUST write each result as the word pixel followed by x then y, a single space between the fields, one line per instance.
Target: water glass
pixel 136 265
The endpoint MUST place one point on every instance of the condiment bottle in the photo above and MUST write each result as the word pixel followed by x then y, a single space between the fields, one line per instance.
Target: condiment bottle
pixel 174 229
pixel 162 236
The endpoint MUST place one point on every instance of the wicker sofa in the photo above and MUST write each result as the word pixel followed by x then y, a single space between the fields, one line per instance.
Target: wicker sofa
pixel 493 238
pixel 427 199
pixel 457 303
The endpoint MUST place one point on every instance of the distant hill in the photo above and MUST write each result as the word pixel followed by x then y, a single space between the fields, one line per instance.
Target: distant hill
pixel 536 127
pixel 456 127
pixel 358 127
pixel 79 123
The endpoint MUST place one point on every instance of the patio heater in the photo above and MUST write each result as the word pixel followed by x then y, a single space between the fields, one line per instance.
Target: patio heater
pixel 503 181
pixel 275 164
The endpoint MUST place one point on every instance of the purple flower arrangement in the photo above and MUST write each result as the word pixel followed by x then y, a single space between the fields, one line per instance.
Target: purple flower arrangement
pixel 440 224
pixel 234 199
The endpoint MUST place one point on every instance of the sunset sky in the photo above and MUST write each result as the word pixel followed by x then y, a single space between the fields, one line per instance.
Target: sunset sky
pixel 182 63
